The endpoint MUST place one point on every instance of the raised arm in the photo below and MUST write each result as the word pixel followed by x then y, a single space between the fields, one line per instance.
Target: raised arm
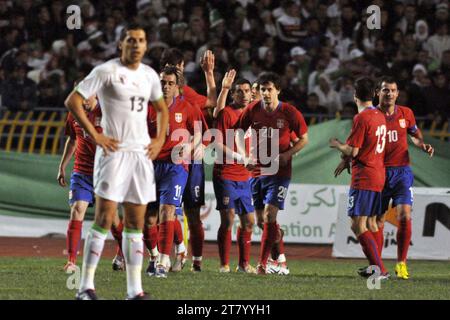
pixel 227 82
pixel 207 64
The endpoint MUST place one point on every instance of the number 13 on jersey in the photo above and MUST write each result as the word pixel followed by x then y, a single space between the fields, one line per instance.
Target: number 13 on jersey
pixel 381 135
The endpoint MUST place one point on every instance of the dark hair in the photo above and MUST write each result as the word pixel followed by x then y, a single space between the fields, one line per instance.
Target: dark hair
pixel 131 26
pixel 385 79
pixel 364 89
pixel 168 70
pixel 239 82
pixel 267 77
pixel 171 57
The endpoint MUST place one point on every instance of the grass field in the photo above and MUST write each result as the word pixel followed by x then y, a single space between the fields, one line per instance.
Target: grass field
pixel 43 278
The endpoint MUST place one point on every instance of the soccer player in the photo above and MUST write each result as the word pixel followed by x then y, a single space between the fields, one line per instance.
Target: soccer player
pixel 194 193
pixel 365 145
pixel 400 122
pixel 123 171
pixel 170 172
pixel 269 118
pixel 231 179
pixel 81 195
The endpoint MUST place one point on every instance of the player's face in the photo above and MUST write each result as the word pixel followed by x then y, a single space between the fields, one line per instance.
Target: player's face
pixel 388 93
pixel 255 92
pixel 269 93
pixel 169 85
pixel 133 46
pixel 242 94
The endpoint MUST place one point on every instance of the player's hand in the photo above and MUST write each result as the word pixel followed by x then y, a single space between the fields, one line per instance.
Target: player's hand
pixel 428 149
pixel 198 152
pixel 207 61
pixel 62 177
pixel 334 143
pixel 344 164
pixel 154 148
pixel 106 143
pixel 228 79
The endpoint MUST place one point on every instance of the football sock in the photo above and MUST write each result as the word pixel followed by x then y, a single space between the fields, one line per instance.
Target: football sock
pixel 370 249
pixel 244 246
pixel 403 239
pixel 165 238
pixel 378 236
pixel 151 237
pixel 197 237
pixel 93 248
pixel 224 243
pixel 133 246
pixel 73 239
pixel 269 236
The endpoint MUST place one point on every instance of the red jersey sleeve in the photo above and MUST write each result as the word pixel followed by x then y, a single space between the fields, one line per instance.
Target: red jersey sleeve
pixel 298 124
pixel 244 122
pixel 195 99
pixel 356 137
pixel 69 129
pixel 412 126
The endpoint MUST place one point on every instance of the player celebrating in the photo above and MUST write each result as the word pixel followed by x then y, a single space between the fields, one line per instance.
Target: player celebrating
pixel 400 122
pixel 194 193
pixel 365 145
pixel 268 117
pixel 170 174
pixel 123 172
pixel 81 188
pixel 231 179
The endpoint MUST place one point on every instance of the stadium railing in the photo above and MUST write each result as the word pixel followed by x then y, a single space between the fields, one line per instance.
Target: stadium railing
pixel 42 130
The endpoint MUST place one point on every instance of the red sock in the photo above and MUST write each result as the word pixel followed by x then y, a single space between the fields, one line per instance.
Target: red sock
pixel 403 239
pixel 178 232
pixel 117 234
pixel 370 249
pixel 165 238
pixel 378 236
pixel 244 245
pixel 196 238
pixel 151 236
pixel 73 238
pixel 224 242
pixel 270 234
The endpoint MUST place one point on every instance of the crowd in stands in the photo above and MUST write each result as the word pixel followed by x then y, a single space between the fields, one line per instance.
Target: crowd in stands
pixel 318 46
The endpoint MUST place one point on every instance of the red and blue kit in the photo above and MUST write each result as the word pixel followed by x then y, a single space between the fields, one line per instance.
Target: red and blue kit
pixel 368 172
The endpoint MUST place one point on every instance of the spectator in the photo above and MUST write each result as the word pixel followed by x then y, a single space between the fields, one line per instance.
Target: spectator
pixel 328 97
pixel 438 42
pixel 421 31
pixel 347 90
pixel 445 62
pixel 313 106
pixel 299 57
pixel 18 92
pixel 437 97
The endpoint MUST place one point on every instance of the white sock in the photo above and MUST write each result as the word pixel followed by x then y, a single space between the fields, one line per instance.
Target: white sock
pixel 93 248
pixel 154 252
pixel 164 259
pixel 133 251
pixel 180 248
pixel 281 258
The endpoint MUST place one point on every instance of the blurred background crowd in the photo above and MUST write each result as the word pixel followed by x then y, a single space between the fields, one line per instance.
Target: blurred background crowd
pixel 318 47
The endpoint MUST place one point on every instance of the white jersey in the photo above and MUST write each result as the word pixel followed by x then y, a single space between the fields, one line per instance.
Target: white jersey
pixel 123 95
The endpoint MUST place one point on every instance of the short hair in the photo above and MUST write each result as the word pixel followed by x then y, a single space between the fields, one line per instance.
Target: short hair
pixel 386 79
pixel 128 27
pixel 171 57
pixel 364 89
pixel 239 82
pixel 267 77
pixel 168 70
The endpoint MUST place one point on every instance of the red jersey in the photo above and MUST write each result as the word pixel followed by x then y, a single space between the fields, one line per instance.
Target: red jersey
pixel 198 101
pixel 401 123
pixel 285 118
pixel 226 119
pixel 182 115
pixel 369 135
pixel 85 146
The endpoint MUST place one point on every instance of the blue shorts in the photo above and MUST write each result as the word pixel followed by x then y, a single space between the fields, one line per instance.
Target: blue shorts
pixel 364 203
pixel 81 188
pixel 235 195
pixel 269 190
pixel 398 187
pixel 170 183
pixel 194 193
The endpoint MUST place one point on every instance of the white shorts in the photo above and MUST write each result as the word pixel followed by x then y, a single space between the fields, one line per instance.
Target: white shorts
pixel 124 176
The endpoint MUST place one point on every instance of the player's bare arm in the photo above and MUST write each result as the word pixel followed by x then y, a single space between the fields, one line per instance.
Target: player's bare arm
pixel 162 119
pixel 417 139
pixel 343 165
pixel 227 82
pixel 344 148
pixel 69 150
pixel 74 103
pixel 207 64
pixel 298 145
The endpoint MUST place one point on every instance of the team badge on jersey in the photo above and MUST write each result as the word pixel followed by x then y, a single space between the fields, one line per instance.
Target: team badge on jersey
pixel 178 117
pixel 280 123
pixel 226 201
pixel 402 123
pixel 97 121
